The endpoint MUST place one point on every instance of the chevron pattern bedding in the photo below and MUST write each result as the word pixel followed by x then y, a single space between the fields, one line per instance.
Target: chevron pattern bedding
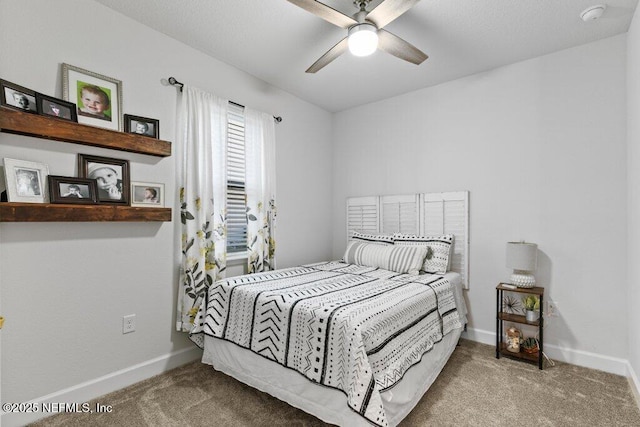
pixel 353 328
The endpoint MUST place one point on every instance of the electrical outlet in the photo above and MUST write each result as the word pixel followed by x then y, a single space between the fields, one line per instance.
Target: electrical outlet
pixel 552 309
pixel 129 323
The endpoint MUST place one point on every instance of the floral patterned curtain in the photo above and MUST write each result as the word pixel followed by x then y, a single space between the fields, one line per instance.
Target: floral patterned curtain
pixel 202 136
pixel 260 187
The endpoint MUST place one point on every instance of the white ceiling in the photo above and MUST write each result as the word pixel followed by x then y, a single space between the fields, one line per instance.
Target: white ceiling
pixel 277 41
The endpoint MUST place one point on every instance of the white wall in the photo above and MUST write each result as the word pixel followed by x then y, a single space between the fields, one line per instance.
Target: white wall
pixel 633 168
pixel 540 145
pixel 64 287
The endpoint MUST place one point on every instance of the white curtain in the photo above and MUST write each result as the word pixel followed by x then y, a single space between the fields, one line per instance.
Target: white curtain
pixel 201 175
pixel 260 188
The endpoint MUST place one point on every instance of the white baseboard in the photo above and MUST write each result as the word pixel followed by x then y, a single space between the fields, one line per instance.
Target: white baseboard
pixel 609 364
pixel 478 335
pixel 634 383
pixel 100 386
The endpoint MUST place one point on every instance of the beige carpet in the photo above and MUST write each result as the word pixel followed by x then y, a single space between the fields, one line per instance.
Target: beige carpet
pixel 474 388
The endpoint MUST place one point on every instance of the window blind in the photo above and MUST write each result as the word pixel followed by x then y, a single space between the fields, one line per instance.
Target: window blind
pixel 236 195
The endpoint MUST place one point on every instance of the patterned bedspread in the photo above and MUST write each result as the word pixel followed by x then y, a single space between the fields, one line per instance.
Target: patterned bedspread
pixel 356 329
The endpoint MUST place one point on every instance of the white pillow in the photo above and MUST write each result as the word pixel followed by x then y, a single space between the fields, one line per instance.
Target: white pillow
pixel 438 249
pixel 401 259
pixel 379 239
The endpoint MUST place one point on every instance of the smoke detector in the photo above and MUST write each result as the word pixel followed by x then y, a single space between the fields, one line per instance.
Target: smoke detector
pixel 593 12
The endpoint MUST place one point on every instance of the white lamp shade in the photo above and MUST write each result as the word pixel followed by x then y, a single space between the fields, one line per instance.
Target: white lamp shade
pixel 363 39
pixel 522 256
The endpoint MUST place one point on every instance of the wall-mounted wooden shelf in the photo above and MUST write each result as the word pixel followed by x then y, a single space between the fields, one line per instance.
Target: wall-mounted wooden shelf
pixel 17 122
pixel 50 212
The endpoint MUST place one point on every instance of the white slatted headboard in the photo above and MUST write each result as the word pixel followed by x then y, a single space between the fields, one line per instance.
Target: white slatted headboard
pixel 448 213
pixel 399 214
pixel 363 215
pixel 425 214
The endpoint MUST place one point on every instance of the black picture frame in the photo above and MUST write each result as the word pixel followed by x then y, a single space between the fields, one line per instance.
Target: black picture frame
pixel 57 108
pixel 111 175
pixel 17 97
pixel 71 190
pixel 142 126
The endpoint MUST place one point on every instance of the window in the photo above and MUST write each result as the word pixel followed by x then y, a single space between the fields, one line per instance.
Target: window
pixel 236 196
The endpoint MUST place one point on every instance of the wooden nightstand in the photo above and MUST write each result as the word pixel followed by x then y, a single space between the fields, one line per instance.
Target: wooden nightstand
pixel 502 316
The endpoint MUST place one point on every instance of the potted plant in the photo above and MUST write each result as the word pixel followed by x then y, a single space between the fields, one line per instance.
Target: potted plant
pixel 531 304
pixel 530 345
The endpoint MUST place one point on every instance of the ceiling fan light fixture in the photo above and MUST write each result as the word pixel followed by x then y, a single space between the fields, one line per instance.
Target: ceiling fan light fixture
pixel 363 39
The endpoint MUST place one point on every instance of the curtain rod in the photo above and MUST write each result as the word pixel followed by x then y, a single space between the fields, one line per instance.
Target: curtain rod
pixel 173 82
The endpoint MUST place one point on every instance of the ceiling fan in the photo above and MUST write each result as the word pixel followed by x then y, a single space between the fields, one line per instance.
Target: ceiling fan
pixel 365 33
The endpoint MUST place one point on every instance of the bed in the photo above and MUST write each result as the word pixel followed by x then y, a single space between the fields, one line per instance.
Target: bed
pixel 354 342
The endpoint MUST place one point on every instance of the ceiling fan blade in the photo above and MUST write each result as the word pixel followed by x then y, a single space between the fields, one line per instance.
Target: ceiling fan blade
pixel 340 48
pixel 389 10
pixel 325 12
pixel 394 45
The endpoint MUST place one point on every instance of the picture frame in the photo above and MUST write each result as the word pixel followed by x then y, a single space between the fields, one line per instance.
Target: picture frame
pixel 147 194
pixel 71 190
pixel 26 181
pixel 111 175
pixel 57 108
pixel 17 97
pixel 98 98
pixel 142 126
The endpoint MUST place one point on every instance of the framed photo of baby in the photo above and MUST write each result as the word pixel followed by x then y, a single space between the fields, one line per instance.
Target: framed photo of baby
pixel 17 97
pixel 147 194
pixel 98 98
pixel 65 189
pixel 53 107
pixel 26 181
pixel 142 126
pixel 111 175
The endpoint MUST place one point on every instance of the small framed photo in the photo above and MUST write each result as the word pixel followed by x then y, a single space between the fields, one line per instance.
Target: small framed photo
pixel 111 175
pixel 26 181
pixel 17 97
pixel 98 98
pixel 54 107
pixel 65 189
pixel 142 126
pixel 147 194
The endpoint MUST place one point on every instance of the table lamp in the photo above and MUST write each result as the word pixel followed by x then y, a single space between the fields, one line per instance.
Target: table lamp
pixel 522 259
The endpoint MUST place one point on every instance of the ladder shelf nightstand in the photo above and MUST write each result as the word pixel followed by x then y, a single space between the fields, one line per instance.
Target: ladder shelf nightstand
pixel 502 316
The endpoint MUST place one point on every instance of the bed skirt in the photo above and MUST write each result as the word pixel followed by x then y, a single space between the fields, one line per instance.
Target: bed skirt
pixel 328 404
